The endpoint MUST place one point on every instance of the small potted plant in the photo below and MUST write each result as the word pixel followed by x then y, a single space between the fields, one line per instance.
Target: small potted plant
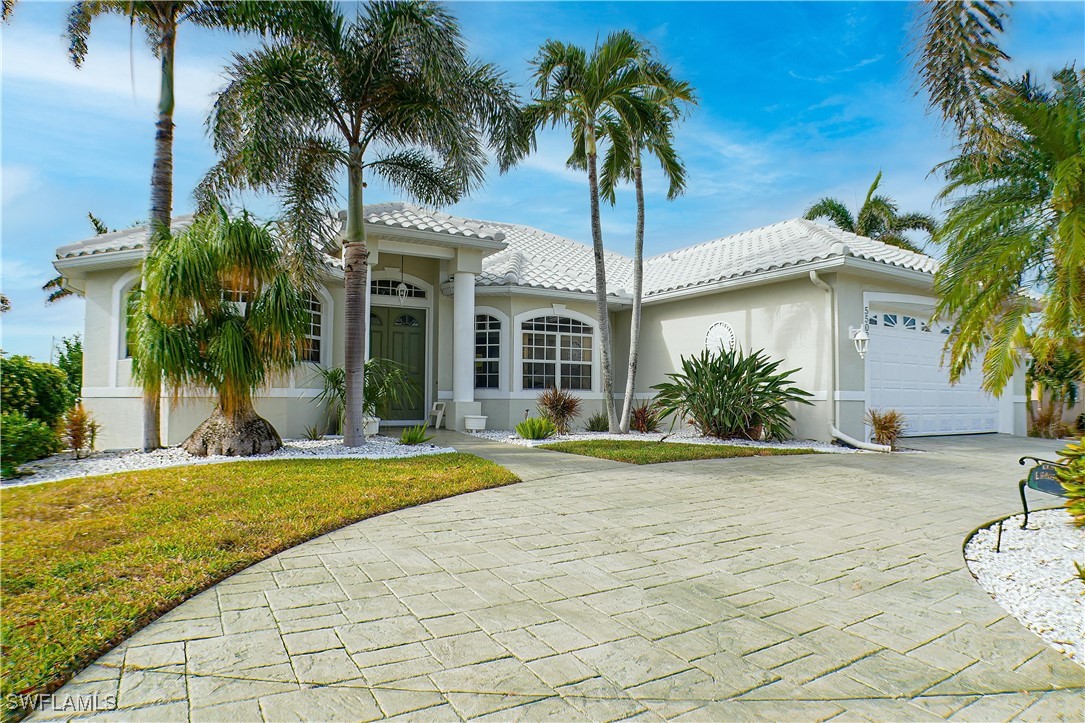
pixel 386 383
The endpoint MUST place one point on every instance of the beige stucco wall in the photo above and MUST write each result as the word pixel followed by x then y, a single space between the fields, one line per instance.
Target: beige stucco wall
pixel 789 320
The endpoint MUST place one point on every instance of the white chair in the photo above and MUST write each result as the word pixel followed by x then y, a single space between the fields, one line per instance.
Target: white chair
pixel 438 411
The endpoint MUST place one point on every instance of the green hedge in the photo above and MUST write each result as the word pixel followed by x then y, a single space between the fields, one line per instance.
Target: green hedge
pixel 23 440
pixel 35 389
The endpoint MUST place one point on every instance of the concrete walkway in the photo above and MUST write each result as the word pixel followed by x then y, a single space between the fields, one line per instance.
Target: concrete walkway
pixel 798 588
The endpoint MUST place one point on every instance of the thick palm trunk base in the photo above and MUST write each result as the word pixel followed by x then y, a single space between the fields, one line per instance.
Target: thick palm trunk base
pixel 240 435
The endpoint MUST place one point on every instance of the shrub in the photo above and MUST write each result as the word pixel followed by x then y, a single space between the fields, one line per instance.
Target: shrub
pixel 1048 423
pixel 23 440
pixel 314 432
pixel 415 435
pixel 70 361
pixel 598 422
pixel 1080 423
pixel 1072 478
pixel 536 428
pixel 37 390
pixel 645 417
pixel 730 394
pixel 560 407
pixel 886 426
pixel 79 431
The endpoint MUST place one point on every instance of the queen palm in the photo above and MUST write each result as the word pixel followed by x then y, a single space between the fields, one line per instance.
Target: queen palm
pixel 623 162
pixel 592 94
pixel 220 311
pixel 160 19
pixel 878 218
pixel 1017 222
pixel 389 90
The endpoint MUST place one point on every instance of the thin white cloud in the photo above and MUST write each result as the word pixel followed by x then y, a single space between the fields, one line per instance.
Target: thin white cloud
pixel 115 78
pixel 18 181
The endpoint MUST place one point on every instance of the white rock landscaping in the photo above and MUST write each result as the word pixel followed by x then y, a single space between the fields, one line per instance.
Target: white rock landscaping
pixel 687 436
pixel 1033 577
pixel 63 466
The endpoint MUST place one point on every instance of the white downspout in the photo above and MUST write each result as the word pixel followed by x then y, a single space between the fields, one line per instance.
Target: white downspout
pixel 835 374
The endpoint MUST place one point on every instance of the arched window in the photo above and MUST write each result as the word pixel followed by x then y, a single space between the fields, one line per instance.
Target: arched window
pixel 392 287
pixel 313 335
pixel 557 352
pixel 487 352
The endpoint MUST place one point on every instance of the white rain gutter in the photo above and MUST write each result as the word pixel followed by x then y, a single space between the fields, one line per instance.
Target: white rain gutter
pixel 836 433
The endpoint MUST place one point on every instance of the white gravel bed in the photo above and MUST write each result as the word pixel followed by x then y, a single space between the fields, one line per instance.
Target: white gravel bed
pixel 688 436
pixel 62 466
pixel 1034 578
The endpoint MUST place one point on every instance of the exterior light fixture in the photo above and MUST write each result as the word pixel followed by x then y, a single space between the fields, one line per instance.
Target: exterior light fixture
pixel 401 291
pixel 861 338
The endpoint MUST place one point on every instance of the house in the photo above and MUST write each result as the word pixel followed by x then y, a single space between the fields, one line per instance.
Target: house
pixel 486 314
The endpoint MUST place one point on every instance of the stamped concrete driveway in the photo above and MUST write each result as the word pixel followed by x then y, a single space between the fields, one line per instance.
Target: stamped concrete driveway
pixel 798 588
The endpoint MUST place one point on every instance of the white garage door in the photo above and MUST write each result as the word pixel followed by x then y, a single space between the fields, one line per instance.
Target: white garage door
pixel 904 373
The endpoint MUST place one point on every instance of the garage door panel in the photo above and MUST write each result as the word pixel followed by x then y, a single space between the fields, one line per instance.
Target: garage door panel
pixel 904 373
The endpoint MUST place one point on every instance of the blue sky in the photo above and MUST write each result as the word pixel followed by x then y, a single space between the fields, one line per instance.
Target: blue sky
pixel 798 101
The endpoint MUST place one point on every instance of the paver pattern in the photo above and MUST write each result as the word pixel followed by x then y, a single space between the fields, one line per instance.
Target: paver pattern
pixel 798 588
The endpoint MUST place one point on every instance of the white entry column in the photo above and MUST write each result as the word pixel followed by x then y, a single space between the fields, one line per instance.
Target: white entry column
pixel 467 266
pixel 463 337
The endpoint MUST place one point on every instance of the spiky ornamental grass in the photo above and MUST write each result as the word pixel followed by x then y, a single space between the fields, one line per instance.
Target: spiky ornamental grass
pixel 732 394
pixel 559 406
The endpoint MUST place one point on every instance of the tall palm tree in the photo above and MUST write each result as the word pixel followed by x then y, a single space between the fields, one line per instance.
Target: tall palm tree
pixel 590 94
pixel 220 311
pixel 389 90
pixel 958 63
pixel 1017 223
pixel 878 218
pixel 623 162
pixel 160 20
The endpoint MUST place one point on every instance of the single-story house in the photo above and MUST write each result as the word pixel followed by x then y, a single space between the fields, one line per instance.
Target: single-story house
pixel 486 314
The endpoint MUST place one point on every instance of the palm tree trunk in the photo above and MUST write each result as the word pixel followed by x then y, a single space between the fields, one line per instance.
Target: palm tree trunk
pixel 161 204
pixel 638 286
pixel 600 282
pixel 355 281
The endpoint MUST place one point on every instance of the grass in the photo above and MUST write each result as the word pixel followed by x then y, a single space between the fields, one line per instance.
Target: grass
pixel 88 562
pixel 638 452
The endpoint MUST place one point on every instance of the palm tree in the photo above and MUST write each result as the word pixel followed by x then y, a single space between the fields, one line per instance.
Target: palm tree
pixel 1017 222
pixel 390 90
pixel 160 19
pixel 622 162
pixel 958 63
pixel 221 310
pixel 878 218
pixel 591 94
pixel 55 286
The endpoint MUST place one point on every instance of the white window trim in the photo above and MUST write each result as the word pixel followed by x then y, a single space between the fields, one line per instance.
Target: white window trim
pixel 503 352
pixel 327 317
pixel 119 327
pixel 518 350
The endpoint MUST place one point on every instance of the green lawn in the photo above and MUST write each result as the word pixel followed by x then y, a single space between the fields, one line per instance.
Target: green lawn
pixel 88 562
pixel 637 452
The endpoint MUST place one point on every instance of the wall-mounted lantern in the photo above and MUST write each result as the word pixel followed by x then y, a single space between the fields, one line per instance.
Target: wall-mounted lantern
pixel 861 338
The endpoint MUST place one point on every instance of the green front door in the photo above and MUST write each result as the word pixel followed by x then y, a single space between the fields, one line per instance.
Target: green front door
pixel 400 335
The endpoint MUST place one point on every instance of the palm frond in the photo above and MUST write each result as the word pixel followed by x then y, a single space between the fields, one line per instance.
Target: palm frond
pixel 834 210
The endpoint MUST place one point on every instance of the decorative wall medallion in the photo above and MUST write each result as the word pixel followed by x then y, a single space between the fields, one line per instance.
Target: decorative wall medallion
pixel 720 337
